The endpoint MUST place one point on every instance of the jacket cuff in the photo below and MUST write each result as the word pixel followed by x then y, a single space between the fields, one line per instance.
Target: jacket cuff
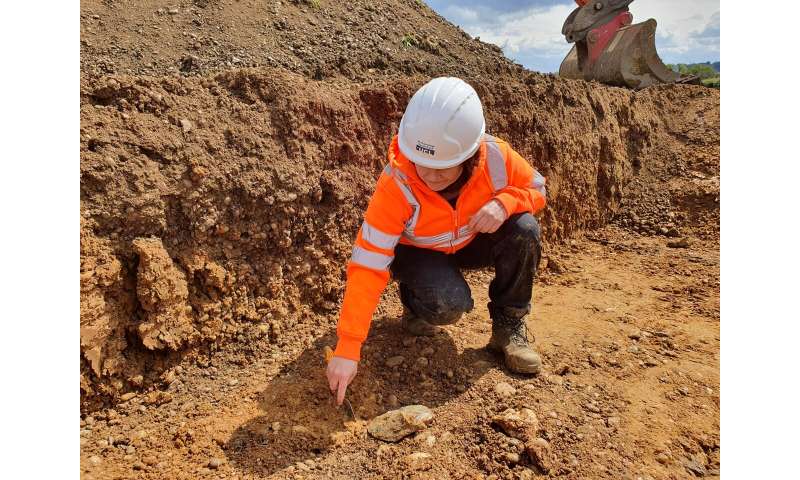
pixel 508 202
pixel 349 348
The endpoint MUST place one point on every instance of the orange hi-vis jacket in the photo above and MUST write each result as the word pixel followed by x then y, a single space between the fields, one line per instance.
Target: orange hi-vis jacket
pixel 404 210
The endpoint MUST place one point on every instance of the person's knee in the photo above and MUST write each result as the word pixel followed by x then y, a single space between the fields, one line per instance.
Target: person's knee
pixel 445 305
pixel 526 228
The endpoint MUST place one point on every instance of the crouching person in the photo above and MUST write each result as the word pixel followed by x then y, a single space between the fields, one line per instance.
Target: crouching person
pixel 450 198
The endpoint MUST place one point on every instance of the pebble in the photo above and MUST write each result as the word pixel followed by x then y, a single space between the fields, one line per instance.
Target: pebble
pixel 512 457
pixel 682 243
pixel 127 396
pixel 299 429
pixel 521 424
pixel 186 125
pixel 397 424
pixel 695 466
pixel 215 462
pixel 650 362
pixel 417 460
pixel 392 362
pixel 539 451
pixel 504 389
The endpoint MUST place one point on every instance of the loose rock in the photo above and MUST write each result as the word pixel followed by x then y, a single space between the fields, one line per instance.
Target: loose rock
pixel 417 460
pixel 397 424
pixel 682 243
pixel 186 125
pixel 512 457
pixel 539 451
pixel 392 362
pixel 521 424
pixel 504 389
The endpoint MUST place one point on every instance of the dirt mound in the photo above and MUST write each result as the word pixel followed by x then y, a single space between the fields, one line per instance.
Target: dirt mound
pixel 316 38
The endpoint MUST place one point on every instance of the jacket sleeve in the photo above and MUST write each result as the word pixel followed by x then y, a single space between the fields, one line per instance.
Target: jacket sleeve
pixel 368 268
pixel 526 191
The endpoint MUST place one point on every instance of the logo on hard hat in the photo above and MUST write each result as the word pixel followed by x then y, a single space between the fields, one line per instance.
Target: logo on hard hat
pixel 425 148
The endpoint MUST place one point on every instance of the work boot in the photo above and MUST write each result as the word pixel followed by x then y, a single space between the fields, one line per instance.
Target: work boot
pixel 510 336
pixel 416 326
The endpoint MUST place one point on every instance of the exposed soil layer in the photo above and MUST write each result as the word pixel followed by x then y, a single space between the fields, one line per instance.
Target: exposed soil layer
pixel 243 192
pixel 228 150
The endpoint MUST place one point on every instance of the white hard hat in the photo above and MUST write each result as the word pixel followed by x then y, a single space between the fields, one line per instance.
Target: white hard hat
pixel 443 124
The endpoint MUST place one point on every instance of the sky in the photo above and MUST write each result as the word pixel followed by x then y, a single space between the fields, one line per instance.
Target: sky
pixel 529 32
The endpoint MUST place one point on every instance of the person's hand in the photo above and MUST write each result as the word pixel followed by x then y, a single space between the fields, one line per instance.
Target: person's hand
pixel 341 371
pixel 489 218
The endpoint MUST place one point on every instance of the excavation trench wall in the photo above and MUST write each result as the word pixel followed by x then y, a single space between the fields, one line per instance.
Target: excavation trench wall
pixel 222 207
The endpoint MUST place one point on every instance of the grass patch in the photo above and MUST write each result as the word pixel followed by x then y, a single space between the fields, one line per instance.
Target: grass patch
pixel 409 41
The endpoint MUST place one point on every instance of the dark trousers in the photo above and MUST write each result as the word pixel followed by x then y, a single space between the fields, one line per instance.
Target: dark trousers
pixel 433 288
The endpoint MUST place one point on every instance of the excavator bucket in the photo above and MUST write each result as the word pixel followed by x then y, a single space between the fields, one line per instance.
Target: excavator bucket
pixel 629 60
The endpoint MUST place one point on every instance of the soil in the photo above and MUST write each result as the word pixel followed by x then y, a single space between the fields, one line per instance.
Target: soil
pixel 218 206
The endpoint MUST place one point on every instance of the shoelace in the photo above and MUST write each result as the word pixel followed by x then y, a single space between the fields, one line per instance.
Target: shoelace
pixel 519 329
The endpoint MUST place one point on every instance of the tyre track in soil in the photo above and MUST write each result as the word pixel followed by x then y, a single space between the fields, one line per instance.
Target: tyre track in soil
pixel 628 330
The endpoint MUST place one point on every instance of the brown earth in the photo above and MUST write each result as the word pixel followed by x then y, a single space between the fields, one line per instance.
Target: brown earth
pixel 218 205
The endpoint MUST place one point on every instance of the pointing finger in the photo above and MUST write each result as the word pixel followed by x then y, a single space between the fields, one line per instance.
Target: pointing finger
pixel 333 381
pixel 342 390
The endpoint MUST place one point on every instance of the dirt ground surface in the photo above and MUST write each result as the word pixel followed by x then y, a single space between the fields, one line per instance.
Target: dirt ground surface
pixel 228 149
pixel 629 333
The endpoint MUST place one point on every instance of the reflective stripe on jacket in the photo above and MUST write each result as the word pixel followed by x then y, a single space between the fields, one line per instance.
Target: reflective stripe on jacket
pixel 404 210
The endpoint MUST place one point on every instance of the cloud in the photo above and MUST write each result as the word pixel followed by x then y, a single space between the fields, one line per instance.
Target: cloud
pixel 688 30
pixel 530 32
